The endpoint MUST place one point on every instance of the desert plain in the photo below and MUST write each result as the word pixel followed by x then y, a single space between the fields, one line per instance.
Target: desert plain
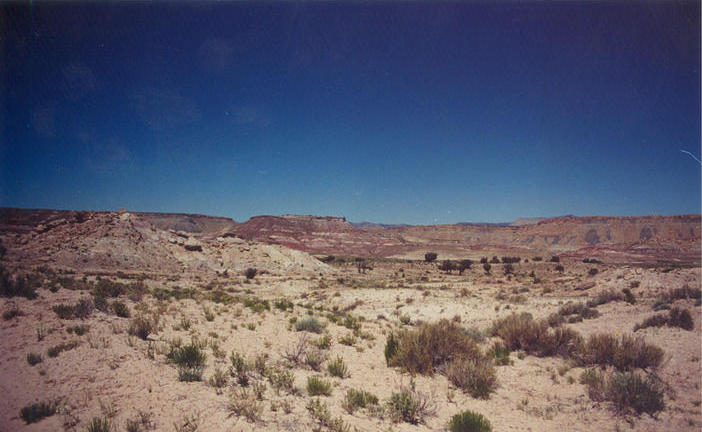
pixel 127 321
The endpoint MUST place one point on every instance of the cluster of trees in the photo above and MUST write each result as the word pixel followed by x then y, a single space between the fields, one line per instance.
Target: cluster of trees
pixel 448 266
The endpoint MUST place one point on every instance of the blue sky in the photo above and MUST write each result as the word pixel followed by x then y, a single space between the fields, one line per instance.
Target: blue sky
pixel 391 112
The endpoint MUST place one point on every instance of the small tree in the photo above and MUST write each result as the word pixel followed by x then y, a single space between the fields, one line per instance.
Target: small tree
pixel 464 265
pixel 447 266
pixel 430 256
pixel 487 267
pixel 560 268
pixel 251 273
pixel 508 268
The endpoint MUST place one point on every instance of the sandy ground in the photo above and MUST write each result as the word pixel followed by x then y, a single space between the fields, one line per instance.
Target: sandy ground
pixel 113 374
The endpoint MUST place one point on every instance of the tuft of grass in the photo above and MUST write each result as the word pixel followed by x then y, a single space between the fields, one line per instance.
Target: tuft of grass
pixel 37 411
pixel 338 368
pixel 320 412
pixel 309 324
pixel 99 424
pixel 318 387
pixel 281 379
pixel 468 421
pixel 410 406
pixel 356 399
pixel 33 358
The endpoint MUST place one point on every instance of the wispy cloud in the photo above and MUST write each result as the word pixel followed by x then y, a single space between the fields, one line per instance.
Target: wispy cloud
pixel 162 109
pixel 105 155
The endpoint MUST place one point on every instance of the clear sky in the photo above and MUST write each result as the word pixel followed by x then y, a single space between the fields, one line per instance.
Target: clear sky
pixel 418 112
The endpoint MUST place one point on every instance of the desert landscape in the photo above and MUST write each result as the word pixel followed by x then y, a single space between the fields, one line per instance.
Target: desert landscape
pixel 127 321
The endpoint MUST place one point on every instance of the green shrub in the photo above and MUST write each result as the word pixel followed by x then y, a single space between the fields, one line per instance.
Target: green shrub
pixel 35 412
pixel 430 345
pixel 338 368
pixel 356 399
pixel 523 332
pixel 318 387
pixel 121 309
pixel 468 421
pixel 33 359
pixel 309 324
pixel 190 360
pixel 476 377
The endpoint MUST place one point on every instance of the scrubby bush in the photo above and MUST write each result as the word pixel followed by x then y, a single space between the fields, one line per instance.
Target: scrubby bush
pixel 356 399
pixel 555 259
pixel 522 332
pixel 141 327
pixel 338 368
pixel 190 360
pixel 653 321
pixel 120 309
pixel 251 273
pixel 476 377
pixel 20 286
pixel 390 347
pixel 430 256
pixel 409 405
pixel 36 412
pixel 11 313
pixel 243 403
pixel 629 297
pixel 593 271
pixel 58 349
pixel 33 358
pixel 500 353
pixel 468 421
pixel 318 387
pixel 681 318
pixel 625 353
pixel 309 324
pixel 430 345
pixel 628 391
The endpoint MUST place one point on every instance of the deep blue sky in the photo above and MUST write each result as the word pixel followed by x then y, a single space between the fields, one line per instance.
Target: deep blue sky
pixel 391 112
